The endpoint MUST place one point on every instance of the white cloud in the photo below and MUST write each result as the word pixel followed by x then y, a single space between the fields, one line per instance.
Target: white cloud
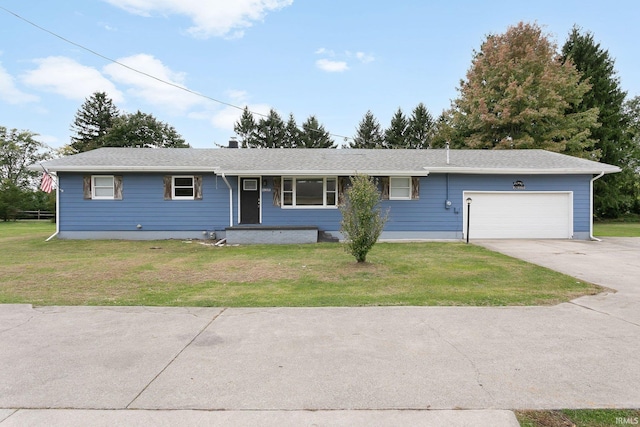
pixel 336 65
pixel 324 51
pixel 332 66
pixel 237 96
pixel 64 76
pixel 10 93
pixel 149 89
pixel 365 58
pixel 213 18
pixel 108 27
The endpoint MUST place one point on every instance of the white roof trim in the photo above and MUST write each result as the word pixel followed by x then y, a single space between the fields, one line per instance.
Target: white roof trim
pixel 323 172
pixel 511 171
pixel 99 169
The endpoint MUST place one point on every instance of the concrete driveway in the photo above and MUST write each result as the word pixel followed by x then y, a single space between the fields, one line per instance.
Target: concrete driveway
pixel 613 262
pixel 331 366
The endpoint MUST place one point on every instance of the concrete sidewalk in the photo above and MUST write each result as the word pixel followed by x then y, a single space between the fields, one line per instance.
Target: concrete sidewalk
pixel 109 418
pixel 290 360
pixel 321 366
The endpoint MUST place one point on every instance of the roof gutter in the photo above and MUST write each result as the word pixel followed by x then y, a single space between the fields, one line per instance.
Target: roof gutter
pixel 323 173
pixel 591 236
pixel 111 169
pixel 511 171
pixel 230 199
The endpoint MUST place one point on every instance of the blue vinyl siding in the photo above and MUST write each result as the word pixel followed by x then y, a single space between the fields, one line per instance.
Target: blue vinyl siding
pixel 429 213
pixel 143 203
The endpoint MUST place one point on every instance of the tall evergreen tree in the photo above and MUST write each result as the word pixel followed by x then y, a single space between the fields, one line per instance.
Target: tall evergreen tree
pixel 519 94
pixel 270 131
pixel 421 128
pixel 291 133
pixel 142 130
pixel 395 135
pixel 631 185
pixel 443 132
pixel 611 141
pixel 92 122
pixel 368 134
pixel 314 135
pixel 246 128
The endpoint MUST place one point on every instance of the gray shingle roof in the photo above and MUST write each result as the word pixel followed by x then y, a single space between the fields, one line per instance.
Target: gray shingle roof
pixel 325 161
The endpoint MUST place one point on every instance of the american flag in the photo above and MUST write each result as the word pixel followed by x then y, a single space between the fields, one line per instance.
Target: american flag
pixel 47 183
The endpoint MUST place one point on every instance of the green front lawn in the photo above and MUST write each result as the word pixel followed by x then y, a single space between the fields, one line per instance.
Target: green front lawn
pixel 178 273
pixel 579 418
pixel 616 229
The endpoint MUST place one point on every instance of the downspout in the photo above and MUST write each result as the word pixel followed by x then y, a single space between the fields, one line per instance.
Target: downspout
pixel 230 199
pixel 57 210
pixel 591 209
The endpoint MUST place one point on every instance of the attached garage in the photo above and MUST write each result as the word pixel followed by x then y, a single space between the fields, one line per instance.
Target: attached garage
pixel 518 215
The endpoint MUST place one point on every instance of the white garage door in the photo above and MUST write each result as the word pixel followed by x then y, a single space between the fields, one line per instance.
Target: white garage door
pixel 519 215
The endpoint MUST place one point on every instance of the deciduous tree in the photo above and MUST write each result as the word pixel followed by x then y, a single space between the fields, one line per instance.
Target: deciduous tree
pixel 519 94
pixel 18 150
pixel 142 130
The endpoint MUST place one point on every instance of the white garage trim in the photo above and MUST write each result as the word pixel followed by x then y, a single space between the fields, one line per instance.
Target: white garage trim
pixel 518 214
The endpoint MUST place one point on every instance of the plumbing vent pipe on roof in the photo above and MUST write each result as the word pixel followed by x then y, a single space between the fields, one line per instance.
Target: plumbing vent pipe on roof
pixel 447 145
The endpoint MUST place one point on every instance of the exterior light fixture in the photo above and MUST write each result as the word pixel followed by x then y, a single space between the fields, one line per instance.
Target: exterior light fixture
pixel 469 200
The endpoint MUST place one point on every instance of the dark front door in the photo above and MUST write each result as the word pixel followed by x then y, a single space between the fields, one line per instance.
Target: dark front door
pixel 249 201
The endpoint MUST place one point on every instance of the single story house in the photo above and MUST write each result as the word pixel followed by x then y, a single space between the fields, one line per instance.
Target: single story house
pixel 291 195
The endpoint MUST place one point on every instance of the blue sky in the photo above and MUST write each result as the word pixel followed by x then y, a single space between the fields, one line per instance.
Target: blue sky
pixel 334 59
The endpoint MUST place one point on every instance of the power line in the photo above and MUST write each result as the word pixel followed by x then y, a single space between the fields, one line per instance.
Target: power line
pixel 135 70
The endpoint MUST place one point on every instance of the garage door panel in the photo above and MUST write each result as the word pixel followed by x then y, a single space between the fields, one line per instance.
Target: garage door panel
pixel 520 215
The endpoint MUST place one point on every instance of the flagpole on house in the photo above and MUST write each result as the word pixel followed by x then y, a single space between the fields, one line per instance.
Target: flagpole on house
pixel 47 185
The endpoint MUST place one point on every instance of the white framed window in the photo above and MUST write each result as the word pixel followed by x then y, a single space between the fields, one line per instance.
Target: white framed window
pixel 400 188
pixel 182 188
pixel 312 192
pixel 102 187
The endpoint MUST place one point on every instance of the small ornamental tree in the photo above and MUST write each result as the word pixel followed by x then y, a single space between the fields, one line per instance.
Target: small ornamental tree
pixel 362 221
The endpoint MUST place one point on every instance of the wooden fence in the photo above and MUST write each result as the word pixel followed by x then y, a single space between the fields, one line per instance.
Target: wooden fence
pixel 35 215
